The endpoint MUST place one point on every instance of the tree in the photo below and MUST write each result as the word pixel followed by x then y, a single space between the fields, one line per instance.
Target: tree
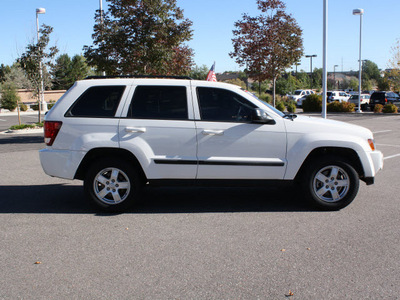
pixel 141 37
pixel 199 73
pixel 269 43
pixel 370 71
pixel 353 84
pixel 17 77
pixel 3 71
pixel 66 71
pixel 37 59
pixel 9 96
pixel 393 75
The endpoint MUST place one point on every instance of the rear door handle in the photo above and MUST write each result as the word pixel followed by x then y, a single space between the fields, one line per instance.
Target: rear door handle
pixel 135 129
pixel 213 132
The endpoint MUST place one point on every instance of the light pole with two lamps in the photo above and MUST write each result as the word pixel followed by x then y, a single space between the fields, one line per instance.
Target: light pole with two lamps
pixel 359 12
pixel 311 57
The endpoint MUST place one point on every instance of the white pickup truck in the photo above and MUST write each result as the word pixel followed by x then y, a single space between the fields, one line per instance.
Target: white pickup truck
pixel 118 134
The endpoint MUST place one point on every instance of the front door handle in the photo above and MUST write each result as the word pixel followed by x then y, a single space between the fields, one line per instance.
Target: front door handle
pixel 213 132
pixel 135 129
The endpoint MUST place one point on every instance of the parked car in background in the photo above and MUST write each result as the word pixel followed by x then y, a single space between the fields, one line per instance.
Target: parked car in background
pixel 384 98
pixel 300 95
pixel 337 96
pixel 364 99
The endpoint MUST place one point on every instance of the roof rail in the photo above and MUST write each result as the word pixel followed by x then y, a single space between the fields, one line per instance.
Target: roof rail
pixel 139 76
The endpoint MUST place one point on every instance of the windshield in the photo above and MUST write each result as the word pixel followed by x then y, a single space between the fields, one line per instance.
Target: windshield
pixel 267 104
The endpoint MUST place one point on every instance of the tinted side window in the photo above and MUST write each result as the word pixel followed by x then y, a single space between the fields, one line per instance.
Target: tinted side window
pixel 97 101
pixel 223 105
pixel 159 102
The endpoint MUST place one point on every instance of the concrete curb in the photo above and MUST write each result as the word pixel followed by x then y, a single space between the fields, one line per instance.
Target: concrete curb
pixel 23 131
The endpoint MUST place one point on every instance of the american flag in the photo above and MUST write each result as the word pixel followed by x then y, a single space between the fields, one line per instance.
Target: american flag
pixel 211 74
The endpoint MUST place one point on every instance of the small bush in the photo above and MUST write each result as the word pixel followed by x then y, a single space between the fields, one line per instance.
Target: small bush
pixel 22 126
pixel 378 108
pixel 50 105
pixel 23 107
pixel 333 106
pixel 280 105
pixel 390 109
pixel 312 103
pixel 291 107
pixel 337 106
pixel 35 107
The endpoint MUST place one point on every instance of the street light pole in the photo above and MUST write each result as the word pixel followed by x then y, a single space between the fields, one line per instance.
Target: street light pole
pixel 360 12
pixel 324 57
pixel 42 103
pixel 311 57
pixel 334 75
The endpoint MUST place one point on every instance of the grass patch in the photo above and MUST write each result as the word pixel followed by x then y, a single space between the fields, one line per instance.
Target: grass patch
pixel 26 126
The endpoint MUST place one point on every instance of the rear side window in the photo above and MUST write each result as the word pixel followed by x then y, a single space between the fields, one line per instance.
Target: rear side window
pixel 159 103
pixel 97 102
pixel 380 96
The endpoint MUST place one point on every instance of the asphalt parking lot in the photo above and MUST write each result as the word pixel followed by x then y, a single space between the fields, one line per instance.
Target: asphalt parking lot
pixel 197 243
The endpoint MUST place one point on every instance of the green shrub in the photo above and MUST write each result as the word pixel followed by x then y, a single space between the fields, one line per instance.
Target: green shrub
pixel 291 107
pixel 390 109
pixel 280 105
pixel 50 105
pixel 22 126
pixel 378 108
pixel 312 103
pixel 337 106
pixel 333 106
pixel 23 107
pixel 35 107
pixel 347 107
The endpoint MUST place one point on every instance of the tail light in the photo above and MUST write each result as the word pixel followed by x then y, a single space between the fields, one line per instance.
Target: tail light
pixel 385 100
pixel 51 129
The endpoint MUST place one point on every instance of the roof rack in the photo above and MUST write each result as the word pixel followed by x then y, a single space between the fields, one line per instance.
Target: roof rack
pixel 139 76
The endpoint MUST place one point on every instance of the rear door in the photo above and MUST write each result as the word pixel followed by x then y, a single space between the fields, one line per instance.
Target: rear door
pixel 158 128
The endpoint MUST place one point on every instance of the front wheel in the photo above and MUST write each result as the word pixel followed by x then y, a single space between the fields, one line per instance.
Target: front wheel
pixel 112 185
pixel 330 183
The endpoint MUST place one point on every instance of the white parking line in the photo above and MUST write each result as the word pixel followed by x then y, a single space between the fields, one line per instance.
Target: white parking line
pixel 381 131
pixel 387 145
pixel 3 120
pixel 391 156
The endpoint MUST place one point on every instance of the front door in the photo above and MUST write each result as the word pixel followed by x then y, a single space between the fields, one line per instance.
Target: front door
pixel 229 145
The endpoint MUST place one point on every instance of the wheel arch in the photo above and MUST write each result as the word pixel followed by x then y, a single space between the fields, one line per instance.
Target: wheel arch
pixel 348 155
pixel 98 153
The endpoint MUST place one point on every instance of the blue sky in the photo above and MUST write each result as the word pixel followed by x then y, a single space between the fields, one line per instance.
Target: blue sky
pixel 213 21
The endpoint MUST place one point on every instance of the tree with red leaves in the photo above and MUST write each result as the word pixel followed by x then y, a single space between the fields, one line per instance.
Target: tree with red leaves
pixel 269 43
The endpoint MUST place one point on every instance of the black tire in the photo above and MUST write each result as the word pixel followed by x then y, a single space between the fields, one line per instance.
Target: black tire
pixel 112 184
pixel 330 183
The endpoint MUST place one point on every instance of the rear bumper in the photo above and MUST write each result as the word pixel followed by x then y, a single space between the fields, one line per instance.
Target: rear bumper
pixel 60 163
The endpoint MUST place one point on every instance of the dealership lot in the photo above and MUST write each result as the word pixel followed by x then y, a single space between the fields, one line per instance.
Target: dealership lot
pixel 197 243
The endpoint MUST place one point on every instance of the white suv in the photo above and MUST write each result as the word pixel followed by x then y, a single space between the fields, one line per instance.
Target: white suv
pixel 300 95
pixel 119 134
pixel 337 96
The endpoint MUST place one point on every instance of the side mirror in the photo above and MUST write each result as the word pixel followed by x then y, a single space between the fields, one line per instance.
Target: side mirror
pixel 259 116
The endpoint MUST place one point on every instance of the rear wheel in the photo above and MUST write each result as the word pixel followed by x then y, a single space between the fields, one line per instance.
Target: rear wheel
pixel 330 183
pixel 112 185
